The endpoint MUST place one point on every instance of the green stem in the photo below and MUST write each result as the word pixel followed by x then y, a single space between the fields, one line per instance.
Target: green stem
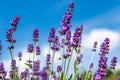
pixel 49 71
pixel 19 68
pixel 68 64
pixel 63 55
pixel 53 60
pixel 34 52
pixel 52 63
pixel 64 65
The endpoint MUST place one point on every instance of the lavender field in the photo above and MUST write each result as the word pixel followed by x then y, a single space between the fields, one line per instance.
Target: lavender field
pixel 67 52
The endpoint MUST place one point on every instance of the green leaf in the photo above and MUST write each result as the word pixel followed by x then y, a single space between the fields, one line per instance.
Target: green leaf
pixel 62 76
pixel 75 66
pixel 76 50
pixel 17 78
pixel 70 78
pixel 27 64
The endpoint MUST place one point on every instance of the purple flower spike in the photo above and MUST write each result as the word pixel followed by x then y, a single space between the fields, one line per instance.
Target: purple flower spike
pixel 24 74
pixel 79 78
pixel 43 74
pixel 105 47
pixel 55 46
pixel 91 66
pixel 13 68
pixel 9 36
pixel 101 72
pixel 35 35
pixel 77 38
pixel 2 70
pixel 30 48
pixel 51 35
pixel 37 50
pixel 59 68
pixel 36 65
pixel 113 62
pixel 68 37
pixel 79 58
pixel 15 21
pixel 48 56
pixel 65 56
pixel 66 24
pixel 118 78
pixel 20 55
pixel 94 46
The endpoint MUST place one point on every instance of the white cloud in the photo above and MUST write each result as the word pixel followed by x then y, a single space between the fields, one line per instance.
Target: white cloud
pixel 118 66
pixel 99 35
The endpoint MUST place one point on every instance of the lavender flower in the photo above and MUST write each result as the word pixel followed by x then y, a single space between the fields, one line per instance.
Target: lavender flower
pixel 77 38
pixel 79 78
pixel 113 62
pixel 43 74
pixel 35 35
pixel 79 58
pixel 65 56
pixel 14 69
pixel 59 68
pixel 69 47
pixel 94 46
pixel 118 78
pixel 51 35
pixel 62 43
pixel 54 76
pixel 105 47
pixel 101 72
pixel 37 50
pixel 68 37
pixel 91 66
pixel 24 74
pixel 13 65
pixel 20 55
pixel 2 70
pixel 15 21
pixel 66 24
pixel 55 46
pixel 30 48
pixel 36 65
pixel 9 36
pixel 48 56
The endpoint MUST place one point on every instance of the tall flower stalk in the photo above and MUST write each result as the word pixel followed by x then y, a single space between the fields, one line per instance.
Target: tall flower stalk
pixel 91 61
pixel 11 40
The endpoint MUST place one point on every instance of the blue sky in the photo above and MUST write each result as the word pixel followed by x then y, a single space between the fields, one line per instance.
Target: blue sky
pixel 96 16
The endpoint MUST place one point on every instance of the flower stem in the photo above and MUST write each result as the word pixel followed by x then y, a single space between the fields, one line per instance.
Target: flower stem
pixel 34 53
pixel 52 65
pixel 53 61
pixel 64 65
pixel 68 64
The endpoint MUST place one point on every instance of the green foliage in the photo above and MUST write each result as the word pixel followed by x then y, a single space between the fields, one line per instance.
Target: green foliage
pixel 109 73
pixel 70 78
pixel 27 64
pixel 117 72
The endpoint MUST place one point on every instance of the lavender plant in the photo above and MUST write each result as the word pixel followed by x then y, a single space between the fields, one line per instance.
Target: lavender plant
pixel 68 44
